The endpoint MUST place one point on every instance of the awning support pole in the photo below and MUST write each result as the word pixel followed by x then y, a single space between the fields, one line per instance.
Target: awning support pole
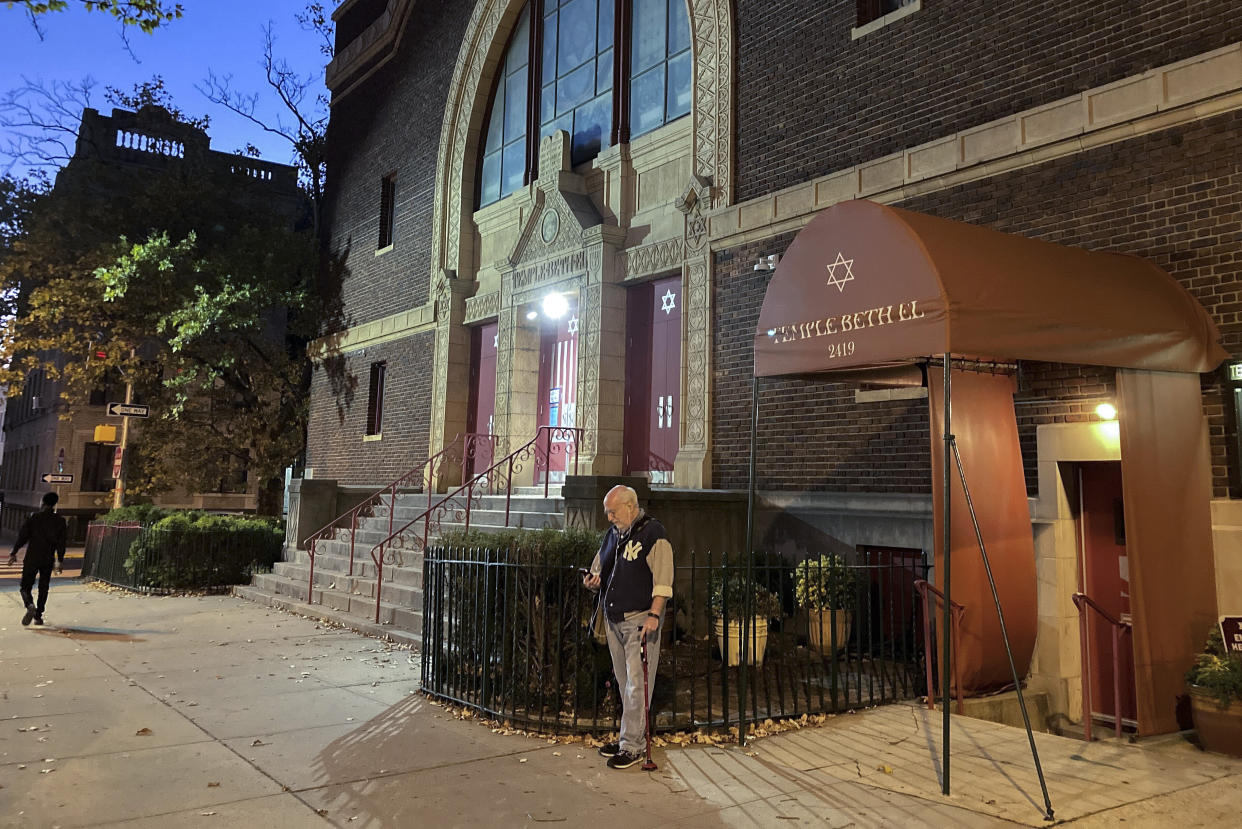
pixel 1017 683
pixel 750 546
pixel 947 624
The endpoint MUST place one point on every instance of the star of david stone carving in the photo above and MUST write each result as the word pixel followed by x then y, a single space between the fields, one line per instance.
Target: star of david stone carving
pixel 838 282
pixel 668 302
pixel 573 325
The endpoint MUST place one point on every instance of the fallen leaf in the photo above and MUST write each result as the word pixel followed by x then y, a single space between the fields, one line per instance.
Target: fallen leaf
pixel 215 785
pixel 206 814
pixel 884 767
pixel 143 732
pixel 523 760
pixel 258 743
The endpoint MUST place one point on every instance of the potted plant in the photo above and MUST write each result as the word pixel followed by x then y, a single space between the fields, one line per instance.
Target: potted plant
pixel 828 590
pixel 1215 682
pixel 731 596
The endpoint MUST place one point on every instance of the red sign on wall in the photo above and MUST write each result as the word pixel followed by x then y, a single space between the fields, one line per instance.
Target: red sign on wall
pixel 1231 630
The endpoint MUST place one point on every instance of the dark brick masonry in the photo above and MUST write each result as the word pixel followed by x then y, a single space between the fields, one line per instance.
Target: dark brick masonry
pixel 811 101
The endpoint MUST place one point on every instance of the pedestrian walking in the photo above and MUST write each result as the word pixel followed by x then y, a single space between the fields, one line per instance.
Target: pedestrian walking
pixel 633 574
pixel 43 535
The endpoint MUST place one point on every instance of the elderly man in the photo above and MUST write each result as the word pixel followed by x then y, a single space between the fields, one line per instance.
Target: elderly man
pixel 634 568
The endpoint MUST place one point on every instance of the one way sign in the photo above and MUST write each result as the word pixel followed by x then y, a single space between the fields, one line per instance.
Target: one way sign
pixel 128 410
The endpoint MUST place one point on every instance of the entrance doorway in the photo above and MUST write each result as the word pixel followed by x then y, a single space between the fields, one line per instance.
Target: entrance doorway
pixel 653 380
pixel 558 395
pixel 1104 575
pixel 480 416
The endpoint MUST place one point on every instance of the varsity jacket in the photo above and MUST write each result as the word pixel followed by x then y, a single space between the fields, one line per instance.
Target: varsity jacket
pixel 634 567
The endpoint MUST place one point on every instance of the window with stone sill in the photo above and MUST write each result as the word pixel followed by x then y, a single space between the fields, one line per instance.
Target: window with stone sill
pixel 869 10
pixel 601 70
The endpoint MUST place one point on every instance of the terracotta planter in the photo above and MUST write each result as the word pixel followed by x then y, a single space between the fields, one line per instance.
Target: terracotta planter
pixel 731 644
pixel 822 623
pixel 1220 729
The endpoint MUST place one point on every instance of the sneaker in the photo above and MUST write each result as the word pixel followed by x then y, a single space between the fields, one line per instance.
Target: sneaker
pixel 609 749
pixel 38 619
pixel 623 760
pixel 30 614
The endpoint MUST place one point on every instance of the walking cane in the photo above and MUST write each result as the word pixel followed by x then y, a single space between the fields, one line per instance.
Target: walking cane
pixel 647 764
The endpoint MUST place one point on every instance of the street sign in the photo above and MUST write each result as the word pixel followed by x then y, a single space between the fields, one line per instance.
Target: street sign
pixel 54 478
pixel 128 410
pixel 116 462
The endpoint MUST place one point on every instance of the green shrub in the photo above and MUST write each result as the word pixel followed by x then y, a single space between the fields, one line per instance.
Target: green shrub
pixel 134 514
pixel 547 546
pixel 1216 671
pixel 826 582
pixel 195 550
pixel 734 593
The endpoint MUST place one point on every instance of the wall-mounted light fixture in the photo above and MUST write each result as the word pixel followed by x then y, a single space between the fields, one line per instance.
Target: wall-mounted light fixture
pixel 1106 411
pixel 532 314
pixel 555 305
pixel 768 263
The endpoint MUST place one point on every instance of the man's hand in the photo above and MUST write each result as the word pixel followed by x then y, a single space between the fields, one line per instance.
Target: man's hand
pixel 651 625
pixel 59 568
pixel 591 581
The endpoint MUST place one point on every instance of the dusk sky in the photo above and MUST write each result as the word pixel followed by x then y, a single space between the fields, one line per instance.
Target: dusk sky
pixel 223 36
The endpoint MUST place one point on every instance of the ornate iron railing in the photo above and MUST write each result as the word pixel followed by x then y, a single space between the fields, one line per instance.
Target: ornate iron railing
pixel 548 443
pixel 460 451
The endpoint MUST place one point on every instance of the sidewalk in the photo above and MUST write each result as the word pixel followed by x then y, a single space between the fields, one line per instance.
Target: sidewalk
pixel 199 711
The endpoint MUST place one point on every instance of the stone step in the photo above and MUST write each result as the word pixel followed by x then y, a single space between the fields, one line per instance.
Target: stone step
pixel 405 591
pixel 398 581
pixel 397 624
pixel 410 571
pixel 407 617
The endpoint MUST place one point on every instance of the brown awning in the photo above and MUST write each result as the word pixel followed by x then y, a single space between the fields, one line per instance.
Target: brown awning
pixel 865 285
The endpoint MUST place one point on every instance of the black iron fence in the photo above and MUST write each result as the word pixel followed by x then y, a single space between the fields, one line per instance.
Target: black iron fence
pixel 154 560
pixel 743 640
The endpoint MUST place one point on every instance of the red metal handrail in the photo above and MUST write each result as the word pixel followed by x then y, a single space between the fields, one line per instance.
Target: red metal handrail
pixel 1084 603
pixel 553 436
pixel 424 472
pixel 927 590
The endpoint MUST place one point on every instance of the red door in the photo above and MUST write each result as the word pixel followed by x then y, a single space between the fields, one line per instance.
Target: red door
pixel 558 395
pixel 653 380
pixel 482 407
pixel 1105 575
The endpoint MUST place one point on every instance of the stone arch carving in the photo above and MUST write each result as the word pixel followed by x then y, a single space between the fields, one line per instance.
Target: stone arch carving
pixel 711 26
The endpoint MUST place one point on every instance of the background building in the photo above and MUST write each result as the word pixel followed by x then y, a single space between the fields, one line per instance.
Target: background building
pixel 116 158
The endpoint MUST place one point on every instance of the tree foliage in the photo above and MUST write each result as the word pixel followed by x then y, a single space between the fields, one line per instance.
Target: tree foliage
pixel 194 291
pixel 147 15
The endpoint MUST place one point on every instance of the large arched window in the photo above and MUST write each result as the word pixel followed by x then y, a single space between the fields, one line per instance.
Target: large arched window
pixel 561 71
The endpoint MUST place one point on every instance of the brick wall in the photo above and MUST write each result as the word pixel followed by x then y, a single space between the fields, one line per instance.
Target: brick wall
pixel 338 416
pixel 811 101
pixel 1173 197
pixel 391 123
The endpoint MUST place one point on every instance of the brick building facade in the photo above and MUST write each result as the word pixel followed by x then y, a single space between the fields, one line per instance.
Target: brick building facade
pixel 1112 126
